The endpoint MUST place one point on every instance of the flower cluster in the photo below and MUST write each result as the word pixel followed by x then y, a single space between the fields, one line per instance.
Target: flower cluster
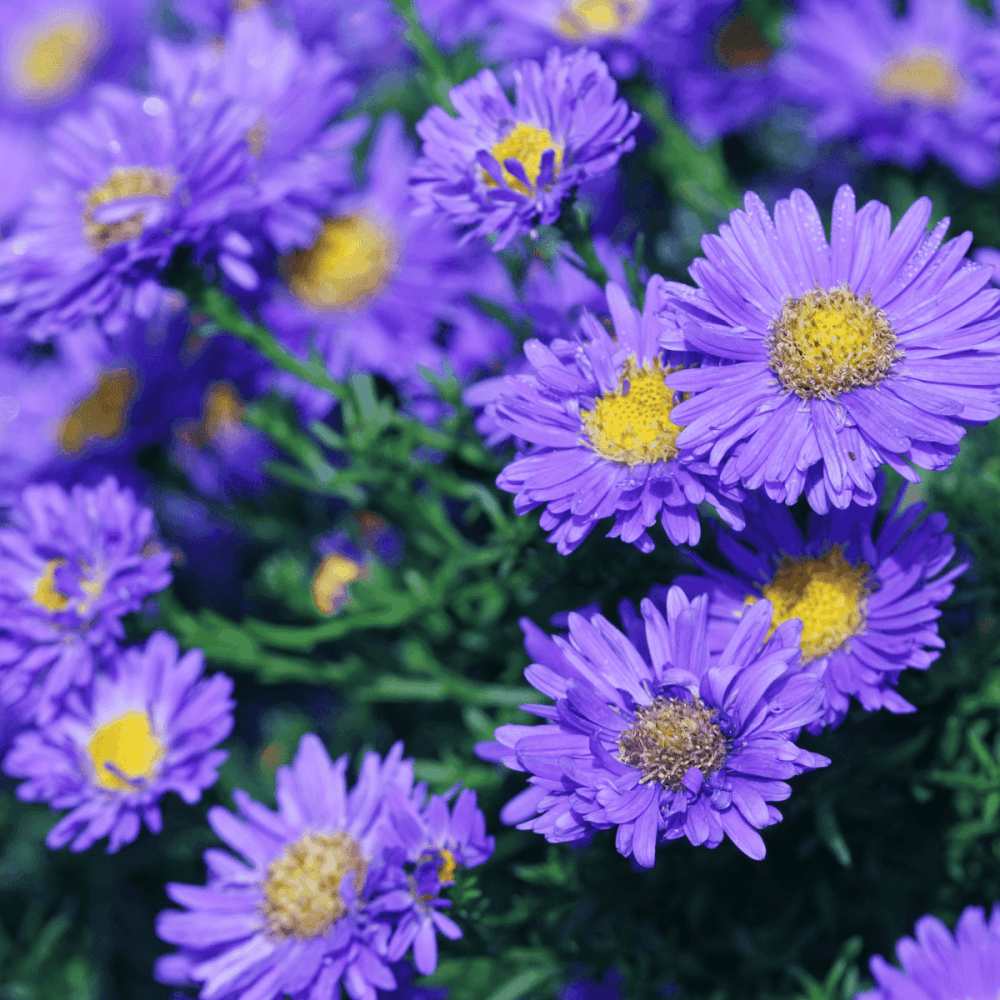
pixel 330 890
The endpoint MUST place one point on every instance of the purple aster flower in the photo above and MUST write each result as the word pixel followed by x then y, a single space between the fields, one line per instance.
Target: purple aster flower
pixel 598 415
pixel 150 174
pixel 71 565
pixel 924 84
pixel 837 357
pixel 52 50
pixel 939 966
pixel 308 905
pixel 147 727
pixel 367 34
pixel 381 290
pixel 445 842
pixel 656 735
pixel 503 168
pixel 868 602
pixel 292 94
pixel 629 34
pixel 721 77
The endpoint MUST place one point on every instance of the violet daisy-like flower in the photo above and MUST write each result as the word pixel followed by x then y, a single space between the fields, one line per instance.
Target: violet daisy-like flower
pixel 940 966
pixel 292 94
pixel 307 907
pixel 128 181
pixel 71 565
pixel 868 601
pixel 662 739
pixel 446 841
pixel 599 417
pixel 924 84
pixel 147 726
pixel 384 291
pixel 629 34
pixel 878 346
pixel 503 168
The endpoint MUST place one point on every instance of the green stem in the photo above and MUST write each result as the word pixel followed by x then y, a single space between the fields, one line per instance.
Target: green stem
pixel 693 174
pixel 575 227
pixel 438 79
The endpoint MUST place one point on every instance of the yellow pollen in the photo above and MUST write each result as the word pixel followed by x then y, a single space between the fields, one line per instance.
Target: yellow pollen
pixel 221 409
pixel 352 259
pixel 302 890
pixel 50 61
pixel 924 77
pixel 526 144
pixel 124 749
pixel 45 592
pixel 828 595
pixel 102 414
pixel 632 424
pixel 583 19
pixel 669 737
pixel 123 182
pixel 447 867
pixel 329 586
pixel 741 45
pixel 826 343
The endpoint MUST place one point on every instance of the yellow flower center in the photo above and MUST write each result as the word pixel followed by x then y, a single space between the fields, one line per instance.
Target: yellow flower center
pixel 740 44
pixel 102 414
pixel 302 890
pixel 257 138
pixel 583 19
pixel 825 343
pixel 632 424
pixel 526 144
pixel 447 866
pixel 45 592
pixel 329 587
pixel 828 595
pixel 925 77
pixel 123 182
pixel 352 259
pixel 124 752
pixel 669 737
pixel 221 409
pixel 51 59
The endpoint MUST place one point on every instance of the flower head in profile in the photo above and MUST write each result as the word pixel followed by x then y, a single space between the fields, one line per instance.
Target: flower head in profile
pixel 599 418
pixel 504 168
pixel 655 735
pixel 308 905
pixel 877 346
pixel 868 601
pixel 147 726
pixel 71 566
pixel 940 966
pixel 926 83
pixel 445 842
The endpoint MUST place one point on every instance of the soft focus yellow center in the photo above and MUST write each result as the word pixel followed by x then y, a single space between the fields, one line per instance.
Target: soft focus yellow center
pixel 741 45
pixel 826 343
pixel 45 592
pixel 582 19
pixel 447 866
pixel 526 144
pixel 102 415
pixel 51 60
pixel 350 262
pixel 257 138
pixel 123 182
pixel 828 595
pixel 128 745
pixel 632 424
pixel 302 890
pixel 221 410
pixel 925 77
pixel 329 587
pixel 671 736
